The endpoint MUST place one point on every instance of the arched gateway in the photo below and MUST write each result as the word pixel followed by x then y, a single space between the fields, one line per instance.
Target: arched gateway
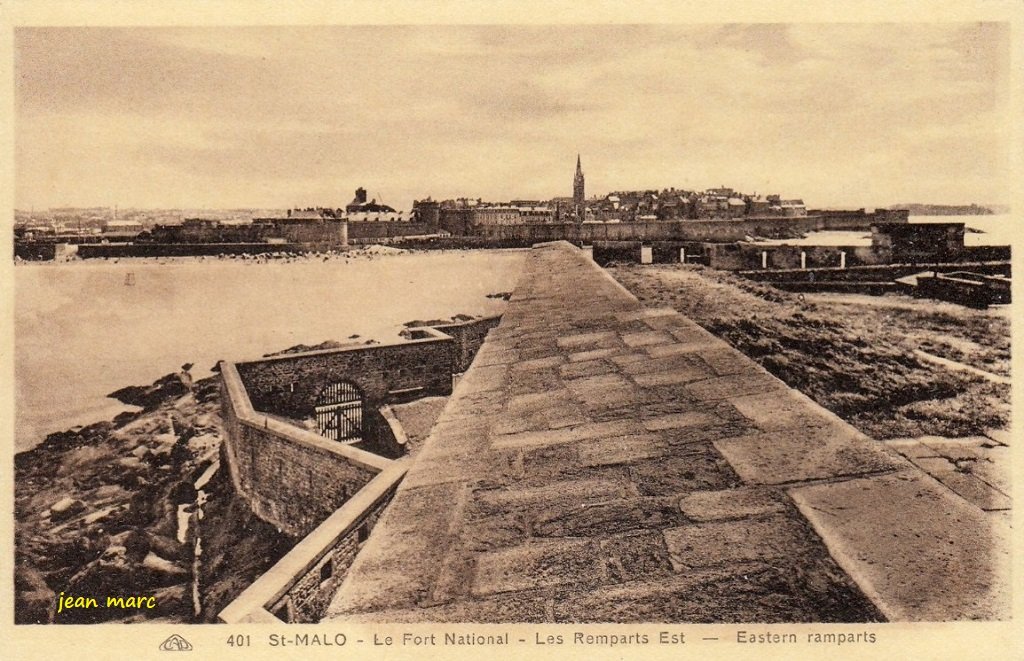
pixel 339 412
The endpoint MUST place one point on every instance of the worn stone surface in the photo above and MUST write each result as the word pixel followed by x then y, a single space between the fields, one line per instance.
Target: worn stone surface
pixel 635 469
pixel 920 551
pixel 978 468
pixel 798 454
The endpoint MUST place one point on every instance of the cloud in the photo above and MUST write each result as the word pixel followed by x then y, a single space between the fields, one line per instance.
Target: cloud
pixel 263 116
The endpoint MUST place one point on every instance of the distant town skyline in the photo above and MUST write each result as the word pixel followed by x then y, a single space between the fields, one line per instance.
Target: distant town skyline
pixel 271 117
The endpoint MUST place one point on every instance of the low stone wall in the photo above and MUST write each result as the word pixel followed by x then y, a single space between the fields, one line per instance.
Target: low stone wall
pixel 292 478
pixel 360 231
pixel 35 251
pixel 606 252
pixel 687 230
pixel 469 337
pixel 751 256
pixel 288 385
pixel 300 586
pixel 114 250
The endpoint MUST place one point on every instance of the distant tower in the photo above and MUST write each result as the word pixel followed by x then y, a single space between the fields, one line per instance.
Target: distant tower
pixel 577 189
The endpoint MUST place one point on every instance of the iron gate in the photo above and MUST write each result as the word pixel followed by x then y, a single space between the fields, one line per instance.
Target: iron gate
pixel 339 412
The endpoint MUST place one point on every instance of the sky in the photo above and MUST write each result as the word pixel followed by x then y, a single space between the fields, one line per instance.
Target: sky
pixel 272 117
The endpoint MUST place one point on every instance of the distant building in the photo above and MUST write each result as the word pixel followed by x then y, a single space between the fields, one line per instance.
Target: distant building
pixel 360 205
pixel 578 190
pixel 917 242
pixel 122 228
pixel 793 208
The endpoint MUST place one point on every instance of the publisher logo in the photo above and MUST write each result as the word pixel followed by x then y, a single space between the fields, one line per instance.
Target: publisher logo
pixel 176 644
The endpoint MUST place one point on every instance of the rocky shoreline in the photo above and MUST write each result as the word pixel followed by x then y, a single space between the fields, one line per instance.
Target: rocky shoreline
pixel 115 509
pixel 108 510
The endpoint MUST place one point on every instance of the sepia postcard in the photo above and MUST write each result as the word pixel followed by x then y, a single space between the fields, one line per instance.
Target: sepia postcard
pixel 422 329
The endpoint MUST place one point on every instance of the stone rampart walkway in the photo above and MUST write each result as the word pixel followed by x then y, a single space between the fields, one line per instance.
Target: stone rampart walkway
pixel 605 462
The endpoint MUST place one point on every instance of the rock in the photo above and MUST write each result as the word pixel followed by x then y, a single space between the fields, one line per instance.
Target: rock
pixel 140 451
pixel 182 492
pixel 167 547
pixel 66 508
pixel 98 515
pixel 130 462
pixel 149 397
pixel 34 601
pixel 137 545
pixel 156 563
pixel 174 600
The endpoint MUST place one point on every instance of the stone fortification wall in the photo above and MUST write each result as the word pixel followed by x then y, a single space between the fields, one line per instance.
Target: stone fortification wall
pixel 291 477
pixel 328 232
pixel 748 256
pixel 112 250
pixel 288 385
pixel 469 337
pixel 362 232
pixel 688 230
pixel 301 585
pixel 35 250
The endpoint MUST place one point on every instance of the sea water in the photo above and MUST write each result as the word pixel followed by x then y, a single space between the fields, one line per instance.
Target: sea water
pixel 84 329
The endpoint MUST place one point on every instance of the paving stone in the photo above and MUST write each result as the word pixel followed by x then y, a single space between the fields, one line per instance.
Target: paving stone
pixel 538 564
pixel 621 449
pixel 680 420
pixel 578 490
pixel 780 410
pixel 624 360
pixel 974 490
pixel 701 469
pixel 647 338
pixel 730 504
pixel 795 455
pixel 736 385
pixel 534 382
pixel 496 357
pixel 995 469
pixel 598 519
pixel 497 531
pixel 684 375
pixel 709 544
pixel 1001 436
pixel 920 552
pixel 644 313
pixel 567 435
pixel 538 363
pixel 680 348
pixel 593 354
pixel 910 448
pixel 585 341
pixel 585 368
pixel 934 466
pixel 642 364
pixel 725 360
pixel 493 377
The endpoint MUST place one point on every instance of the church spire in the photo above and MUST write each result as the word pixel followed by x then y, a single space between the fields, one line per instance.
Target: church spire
pixel 578 196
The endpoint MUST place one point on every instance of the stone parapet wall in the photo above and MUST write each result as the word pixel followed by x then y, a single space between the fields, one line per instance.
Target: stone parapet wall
pixel 469 336
pixel 300 586
pixel 291 477
pixel 288 385
pixel 687 230
pixel 752 256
